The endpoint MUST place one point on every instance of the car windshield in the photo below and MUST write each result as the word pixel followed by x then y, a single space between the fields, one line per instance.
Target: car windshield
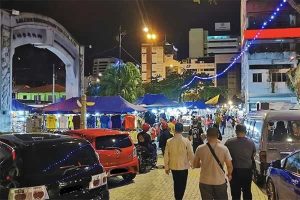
pixel 113 141
pixel 43 158
pixel 284 131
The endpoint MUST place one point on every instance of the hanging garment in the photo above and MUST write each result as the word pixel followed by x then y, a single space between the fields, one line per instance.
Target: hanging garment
pixel 63 122
pixel 36 124
pixel 76 122
pixel 91 121
pixel 104 120
pixel 116 122
pixel 70 122
pixel 51 122
pixel 129 122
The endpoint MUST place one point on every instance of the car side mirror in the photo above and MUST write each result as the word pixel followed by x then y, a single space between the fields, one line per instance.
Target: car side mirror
pixel 276 164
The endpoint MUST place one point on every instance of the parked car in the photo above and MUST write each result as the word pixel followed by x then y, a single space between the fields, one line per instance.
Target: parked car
pixel 116 151
pixel 283 178
pixel 275 134
pixel 49 166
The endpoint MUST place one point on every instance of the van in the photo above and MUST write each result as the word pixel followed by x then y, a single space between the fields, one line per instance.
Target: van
pixel 275 134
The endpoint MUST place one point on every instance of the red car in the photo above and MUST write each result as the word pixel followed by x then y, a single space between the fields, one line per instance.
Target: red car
pixel 116 151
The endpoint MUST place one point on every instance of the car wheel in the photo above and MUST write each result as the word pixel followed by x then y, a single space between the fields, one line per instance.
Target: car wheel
pixel 128 177
pixel 271 192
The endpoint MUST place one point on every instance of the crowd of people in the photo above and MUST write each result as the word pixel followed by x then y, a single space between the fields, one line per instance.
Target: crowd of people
pixel 203 148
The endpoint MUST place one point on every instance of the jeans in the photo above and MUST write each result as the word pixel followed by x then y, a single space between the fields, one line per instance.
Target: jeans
pixel 241 181
pixel 213 192
pixel 180 179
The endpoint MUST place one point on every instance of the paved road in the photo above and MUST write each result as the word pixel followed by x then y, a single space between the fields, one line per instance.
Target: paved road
pixel 156 185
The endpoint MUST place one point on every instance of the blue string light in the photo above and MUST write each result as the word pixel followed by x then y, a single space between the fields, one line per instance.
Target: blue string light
pixel 244 50
pixel 65 158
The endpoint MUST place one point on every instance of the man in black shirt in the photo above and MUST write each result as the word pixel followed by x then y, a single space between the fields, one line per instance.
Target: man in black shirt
pixel 195 134
pixel 242 150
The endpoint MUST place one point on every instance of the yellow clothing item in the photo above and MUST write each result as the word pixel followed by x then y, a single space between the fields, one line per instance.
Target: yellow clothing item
pixel 51 122
pixel 171 126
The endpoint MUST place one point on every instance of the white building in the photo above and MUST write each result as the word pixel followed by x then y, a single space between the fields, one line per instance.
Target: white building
pixel 158 61
pixel 222 45
pixel 197 40
pixel 268 59
pixel 200 65
pixel 100 64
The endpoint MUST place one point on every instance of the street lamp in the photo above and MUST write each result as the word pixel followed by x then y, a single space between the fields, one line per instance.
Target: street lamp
pixel 146 29
pixel 100 74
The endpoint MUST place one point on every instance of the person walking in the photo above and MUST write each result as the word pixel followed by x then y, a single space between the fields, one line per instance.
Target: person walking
pixel 242 150
pixel 164 136
pixel 210 157
pixel 195 135
pixel 178 158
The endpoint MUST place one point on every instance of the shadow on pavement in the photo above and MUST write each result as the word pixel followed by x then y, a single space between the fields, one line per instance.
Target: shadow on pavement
pixel 114 182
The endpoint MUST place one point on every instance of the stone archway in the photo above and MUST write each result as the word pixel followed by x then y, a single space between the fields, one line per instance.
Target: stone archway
pixel 42 32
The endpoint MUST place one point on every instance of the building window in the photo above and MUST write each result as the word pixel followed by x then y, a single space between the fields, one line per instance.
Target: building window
pixel 278 77
pixel 37 97
pixel 50 98
pixel 257 77
pixel 24 97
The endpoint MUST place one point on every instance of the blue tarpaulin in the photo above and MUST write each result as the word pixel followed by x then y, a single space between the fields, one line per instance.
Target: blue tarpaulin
pixel 19 106
pixel 105 104
pixel 156 100
pixel 195 105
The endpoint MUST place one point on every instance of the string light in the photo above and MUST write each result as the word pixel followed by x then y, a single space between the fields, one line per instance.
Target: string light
pixel 244 50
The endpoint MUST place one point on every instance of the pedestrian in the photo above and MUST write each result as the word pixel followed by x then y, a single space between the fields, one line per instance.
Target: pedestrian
pixel 242 150
pixel 164 136
pixel 210 157
pixel 218 128
pixel 195 135
pixel 178 158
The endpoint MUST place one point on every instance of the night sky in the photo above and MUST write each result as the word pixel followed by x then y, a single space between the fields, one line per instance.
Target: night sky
pixel 96 22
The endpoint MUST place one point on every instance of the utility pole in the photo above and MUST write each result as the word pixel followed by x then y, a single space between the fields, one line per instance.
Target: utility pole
pixel 120 42
pixel 53 84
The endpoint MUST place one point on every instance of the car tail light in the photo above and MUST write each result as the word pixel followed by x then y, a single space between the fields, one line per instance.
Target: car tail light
pixel 98 180
pixel 34 193
pixel 134 153
pixel 263 156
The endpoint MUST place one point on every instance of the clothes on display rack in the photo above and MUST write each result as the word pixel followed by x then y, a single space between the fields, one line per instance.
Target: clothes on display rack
pixel 104 120
pixel 63 122
pixel 51 122
pixel 70 122
pixel 129 122
pixel 116 122
pixel 76 122
pixel 91 121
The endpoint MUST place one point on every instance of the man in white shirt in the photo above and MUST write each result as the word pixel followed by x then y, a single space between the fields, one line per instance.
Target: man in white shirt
pixel 213 184
pixel 178 158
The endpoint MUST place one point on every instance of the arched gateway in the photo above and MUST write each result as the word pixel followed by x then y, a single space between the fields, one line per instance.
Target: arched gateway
pixel 42 32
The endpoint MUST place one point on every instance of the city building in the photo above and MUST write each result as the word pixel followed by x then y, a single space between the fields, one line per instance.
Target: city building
pixel 270 56
pixel 223 44
pixel 42 94
pixel 100 64
pixel 158 60
pixel 200 65
pixel 231 80
pixel 197 40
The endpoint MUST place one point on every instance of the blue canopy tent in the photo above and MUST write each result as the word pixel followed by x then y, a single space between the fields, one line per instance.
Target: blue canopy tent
pixel 106 104
pixel 196 105
pixel 156 101
pixel 19 106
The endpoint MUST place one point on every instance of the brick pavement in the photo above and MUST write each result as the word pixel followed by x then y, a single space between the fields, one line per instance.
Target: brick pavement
pixel 156 185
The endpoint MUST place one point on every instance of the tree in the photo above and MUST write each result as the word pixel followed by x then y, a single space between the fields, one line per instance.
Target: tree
pixel 93 89
pixel 124 80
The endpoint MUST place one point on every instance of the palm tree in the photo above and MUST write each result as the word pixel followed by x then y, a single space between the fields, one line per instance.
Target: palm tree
pixel 124 80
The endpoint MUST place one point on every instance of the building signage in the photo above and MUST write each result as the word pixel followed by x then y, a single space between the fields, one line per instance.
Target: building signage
pixel 44 21
pixel 222 26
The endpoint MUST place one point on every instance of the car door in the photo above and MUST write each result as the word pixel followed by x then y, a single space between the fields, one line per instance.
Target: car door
pixel 289 178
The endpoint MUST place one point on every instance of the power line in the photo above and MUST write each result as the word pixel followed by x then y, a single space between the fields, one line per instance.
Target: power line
pixel 131 56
